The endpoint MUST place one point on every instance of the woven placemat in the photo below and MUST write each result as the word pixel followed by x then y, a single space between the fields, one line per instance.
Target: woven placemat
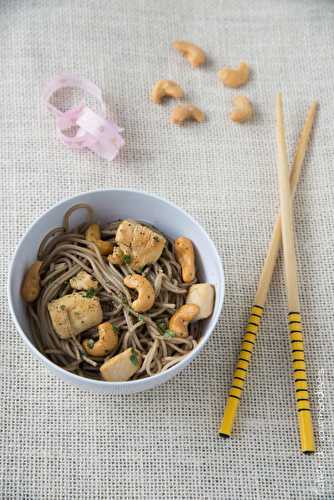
pixel 59 443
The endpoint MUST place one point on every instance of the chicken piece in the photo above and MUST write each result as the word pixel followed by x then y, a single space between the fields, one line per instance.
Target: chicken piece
pixel 121 367
pixel 142 245
pixel 202 295
pixel 74 313
pixel 116 257
pixel 83 281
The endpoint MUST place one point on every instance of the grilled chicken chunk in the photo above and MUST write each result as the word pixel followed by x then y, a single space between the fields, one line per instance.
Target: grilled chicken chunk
pixel 83 281
pixel 74 313
pixel 140 243
pixel 121 367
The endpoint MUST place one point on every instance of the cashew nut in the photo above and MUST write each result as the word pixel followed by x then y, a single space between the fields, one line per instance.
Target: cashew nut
pixel 121 367
pixel 201 294
pixel 243 109
pixel 178 323
pixel 186 112
pixel 116 257
pixel 194 54
pixel 146 295
pixel 31 282
pixel 108 340
pixel 234 77
pixel 83 281
pixel 166 88
pixel 185 255
pixel 93 234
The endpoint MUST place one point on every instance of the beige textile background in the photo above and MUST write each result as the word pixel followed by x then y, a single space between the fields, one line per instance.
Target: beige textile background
pixel 59 443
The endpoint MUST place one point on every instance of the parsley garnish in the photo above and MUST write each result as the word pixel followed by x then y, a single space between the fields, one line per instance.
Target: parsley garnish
pixel 169 333
pixel 133 358
pixel 115 328
pixel 90 343
pixel 127 259
pixel 63 307
pixel 141 317
pixel 162 326
pixel 90 293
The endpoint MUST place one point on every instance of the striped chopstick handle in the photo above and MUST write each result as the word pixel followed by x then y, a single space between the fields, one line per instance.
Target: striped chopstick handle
pixel 300 381
pixel 240 373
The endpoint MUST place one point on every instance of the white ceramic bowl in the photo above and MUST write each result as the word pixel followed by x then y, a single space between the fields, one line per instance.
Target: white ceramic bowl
pixel 112 204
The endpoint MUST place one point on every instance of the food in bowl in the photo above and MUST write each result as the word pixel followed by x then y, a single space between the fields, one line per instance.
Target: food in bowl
pixel 119 302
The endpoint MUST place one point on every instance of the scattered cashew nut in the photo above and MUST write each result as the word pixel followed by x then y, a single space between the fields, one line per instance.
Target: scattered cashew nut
pixel 108 340
pixel 31 282
pixel 186 112
pixel 201 294
pixel 178 323
pixel 146 294
pixel 234 77
pixel 194 54
pixel 243 109
pixel 185 255
pixel 93 234
pixel 165 88
pixel 121 367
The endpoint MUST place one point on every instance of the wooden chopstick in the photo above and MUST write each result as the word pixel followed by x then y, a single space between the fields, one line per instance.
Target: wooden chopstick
pixel 290 265
pixel 249 339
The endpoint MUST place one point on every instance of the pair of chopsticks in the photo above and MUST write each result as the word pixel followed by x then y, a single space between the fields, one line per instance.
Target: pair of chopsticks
pixel 283 231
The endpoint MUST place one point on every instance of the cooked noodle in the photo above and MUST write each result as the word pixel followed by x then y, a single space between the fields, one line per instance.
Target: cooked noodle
pixel 64 253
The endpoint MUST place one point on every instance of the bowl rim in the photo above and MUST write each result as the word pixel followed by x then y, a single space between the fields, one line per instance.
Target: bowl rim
pixel 104 383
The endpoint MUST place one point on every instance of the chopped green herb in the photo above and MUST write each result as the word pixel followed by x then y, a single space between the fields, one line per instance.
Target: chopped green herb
pixel 63 307
pixel 133 358
pixel 141 317
pixel 90 293
pixel 162 326
pixel 90 343
pixel 169 333
pixel 115 328
pixel 127 259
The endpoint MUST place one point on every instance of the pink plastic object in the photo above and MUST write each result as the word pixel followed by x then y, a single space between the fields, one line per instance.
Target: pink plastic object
pixel 95 131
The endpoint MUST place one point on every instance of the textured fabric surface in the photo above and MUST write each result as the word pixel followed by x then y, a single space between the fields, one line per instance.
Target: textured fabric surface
pixel 58 442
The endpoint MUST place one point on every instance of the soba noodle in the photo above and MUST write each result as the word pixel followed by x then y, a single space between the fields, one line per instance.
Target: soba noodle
pixel 64 253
